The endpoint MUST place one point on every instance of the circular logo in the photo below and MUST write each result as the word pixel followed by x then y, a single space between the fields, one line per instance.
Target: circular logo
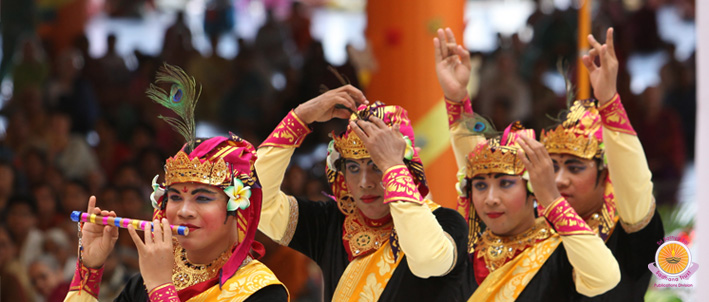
pixel 673 258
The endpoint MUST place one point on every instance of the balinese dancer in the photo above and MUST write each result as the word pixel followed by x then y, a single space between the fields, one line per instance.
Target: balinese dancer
pixel 379 239
pixel 515 256
pixel 602 171
pixel 210 186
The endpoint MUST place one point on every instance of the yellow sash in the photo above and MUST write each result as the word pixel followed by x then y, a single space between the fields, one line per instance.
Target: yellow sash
pixel 508 281
pixel 365 277
pixel 247 280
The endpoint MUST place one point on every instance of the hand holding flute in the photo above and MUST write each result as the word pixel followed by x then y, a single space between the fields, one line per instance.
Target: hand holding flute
pixel 97 241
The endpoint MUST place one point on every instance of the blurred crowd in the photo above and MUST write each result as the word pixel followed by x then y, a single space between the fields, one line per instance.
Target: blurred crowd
pixel 79 125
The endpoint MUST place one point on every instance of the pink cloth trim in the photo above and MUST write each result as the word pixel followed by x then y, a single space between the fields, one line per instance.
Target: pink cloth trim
pixel 399 185
pixel 290 132
pixel 614 116
pixel 165 292
pixel 455 110
pixel 565 219
pixel 86 279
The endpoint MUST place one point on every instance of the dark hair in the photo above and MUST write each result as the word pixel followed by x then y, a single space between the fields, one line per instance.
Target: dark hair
pixel 78 182
pixel 16 200
pixel 134 189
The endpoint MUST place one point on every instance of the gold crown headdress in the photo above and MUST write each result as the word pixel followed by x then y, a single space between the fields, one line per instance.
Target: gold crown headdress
pixel 579 134
pixel 349 145
pixel 180 168
pixel 499 154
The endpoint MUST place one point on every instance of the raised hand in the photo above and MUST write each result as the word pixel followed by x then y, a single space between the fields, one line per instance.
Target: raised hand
pixel 155 254
pixel 386 145
pixel 339 103
pixel 452 65
pixel 541 170
pixel 603 78
pixel 97 240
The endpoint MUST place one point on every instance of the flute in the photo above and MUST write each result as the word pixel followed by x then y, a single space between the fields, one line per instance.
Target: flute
pixel 123 222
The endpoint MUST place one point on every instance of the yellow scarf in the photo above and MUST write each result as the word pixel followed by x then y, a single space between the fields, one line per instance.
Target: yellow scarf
pixel 247 280
pixel 508 281
pixel 366 277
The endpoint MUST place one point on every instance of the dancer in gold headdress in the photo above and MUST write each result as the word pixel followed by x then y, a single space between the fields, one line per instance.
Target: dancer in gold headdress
pixel 514 256
pixel 209 186
pixel 602 171
pixel 379 239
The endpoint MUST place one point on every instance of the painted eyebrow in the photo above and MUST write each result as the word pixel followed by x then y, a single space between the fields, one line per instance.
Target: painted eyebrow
pixel 572 161
pixel 202 190
pixel 349 161
pixel 195 191
pixel 496 176
pixel 370 162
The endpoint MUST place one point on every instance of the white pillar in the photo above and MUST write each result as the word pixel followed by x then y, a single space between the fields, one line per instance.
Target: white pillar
pixel 702 150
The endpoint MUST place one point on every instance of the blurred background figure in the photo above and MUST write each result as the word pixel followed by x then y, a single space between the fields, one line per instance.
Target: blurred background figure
pixel 47 279
pixel 13 276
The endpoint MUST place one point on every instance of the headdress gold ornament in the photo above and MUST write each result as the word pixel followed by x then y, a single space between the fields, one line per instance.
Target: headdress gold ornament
pixel 351 146
pixel 180 169
pixel 579 134
pixel 499 154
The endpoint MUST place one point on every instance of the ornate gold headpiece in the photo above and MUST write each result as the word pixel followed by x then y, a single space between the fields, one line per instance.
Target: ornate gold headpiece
pixel 499 154
pixel 181 169
pixel 350 146
pixel 580 134
pixel 562 140
pixel 486 159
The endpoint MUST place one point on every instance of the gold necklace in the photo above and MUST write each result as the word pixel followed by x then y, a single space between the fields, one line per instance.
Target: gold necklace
pixel 496 250
pixel 363 238
pixel 186 274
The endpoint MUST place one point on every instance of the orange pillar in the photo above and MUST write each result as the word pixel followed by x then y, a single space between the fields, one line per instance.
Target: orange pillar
pixel 583 46
pixel 401 33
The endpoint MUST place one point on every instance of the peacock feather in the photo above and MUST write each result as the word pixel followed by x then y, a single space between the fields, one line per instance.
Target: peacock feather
pixel 479 125
pixel 570 95
pixel 182 99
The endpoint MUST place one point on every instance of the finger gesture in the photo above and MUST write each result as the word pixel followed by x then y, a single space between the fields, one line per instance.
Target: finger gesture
pixel 452 65
pixel 155 254
pixel 97 240
pixel 603 78
pixel 386 145
pixel 335 103
pixel 541 170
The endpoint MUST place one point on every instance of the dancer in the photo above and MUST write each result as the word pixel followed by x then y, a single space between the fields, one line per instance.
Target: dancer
pixel 515 256
pixel 602 171
pixel 210 186
pixel 379 239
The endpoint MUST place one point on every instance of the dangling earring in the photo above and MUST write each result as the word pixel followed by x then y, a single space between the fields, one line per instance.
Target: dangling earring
pixel 474 234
